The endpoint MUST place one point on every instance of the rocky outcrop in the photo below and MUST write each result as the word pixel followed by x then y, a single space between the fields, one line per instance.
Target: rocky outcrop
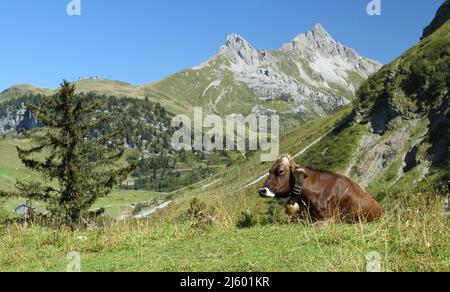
pixel 377 160
pixel 18 120
pixel 28 122
pixel 240 52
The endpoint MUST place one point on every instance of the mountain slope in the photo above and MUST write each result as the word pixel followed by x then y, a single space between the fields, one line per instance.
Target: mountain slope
pixel 103 87
pixel 442 15
pixel 20 90
pixel 310 76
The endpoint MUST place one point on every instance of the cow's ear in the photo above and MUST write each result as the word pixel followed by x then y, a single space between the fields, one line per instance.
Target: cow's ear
pixel 300 171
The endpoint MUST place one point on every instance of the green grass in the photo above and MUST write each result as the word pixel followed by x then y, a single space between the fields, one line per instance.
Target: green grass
pixel 11 169
pixel 355 77
pixel 412 236
pixel 280 106
pixel 22 90
pixel 190 86
pixel 122 202
pixel 336 150
pixel 415 82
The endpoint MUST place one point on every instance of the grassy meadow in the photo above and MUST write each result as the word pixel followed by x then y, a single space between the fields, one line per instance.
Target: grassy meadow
pixel 412 236
pixel 230 228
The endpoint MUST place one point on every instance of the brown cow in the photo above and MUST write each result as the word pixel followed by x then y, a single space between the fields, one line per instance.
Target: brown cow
pixel 324 195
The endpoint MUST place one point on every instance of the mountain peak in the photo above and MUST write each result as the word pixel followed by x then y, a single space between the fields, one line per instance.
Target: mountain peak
pixel 236 42
pixel 315 38
pixel 318 28
pixel 238 50
pixel 317 34
pixel 235 38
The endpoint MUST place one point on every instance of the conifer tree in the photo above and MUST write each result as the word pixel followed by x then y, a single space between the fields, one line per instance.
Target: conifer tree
pixel 76 170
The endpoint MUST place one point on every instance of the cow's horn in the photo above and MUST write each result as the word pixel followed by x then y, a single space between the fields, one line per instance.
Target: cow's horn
pixel 301 171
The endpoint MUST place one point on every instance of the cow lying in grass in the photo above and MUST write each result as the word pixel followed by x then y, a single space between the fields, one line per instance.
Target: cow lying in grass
pixel 319 195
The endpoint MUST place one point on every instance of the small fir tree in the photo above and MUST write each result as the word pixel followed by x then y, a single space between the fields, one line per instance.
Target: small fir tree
pixel 77 170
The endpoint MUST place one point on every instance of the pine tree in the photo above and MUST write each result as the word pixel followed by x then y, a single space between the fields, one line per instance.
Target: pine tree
pixel 82 169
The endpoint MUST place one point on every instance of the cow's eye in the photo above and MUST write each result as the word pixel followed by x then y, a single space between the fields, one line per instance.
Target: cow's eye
pixel 281 172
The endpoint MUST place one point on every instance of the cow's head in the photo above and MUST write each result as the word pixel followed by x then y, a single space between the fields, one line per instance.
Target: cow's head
pixel 282 178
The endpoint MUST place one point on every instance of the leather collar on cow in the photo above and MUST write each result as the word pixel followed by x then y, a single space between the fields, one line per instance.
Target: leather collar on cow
pixel 296 190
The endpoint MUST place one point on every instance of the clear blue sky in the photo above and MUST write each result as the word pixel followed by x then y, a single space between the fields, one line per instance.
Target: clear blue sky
pixel 140 41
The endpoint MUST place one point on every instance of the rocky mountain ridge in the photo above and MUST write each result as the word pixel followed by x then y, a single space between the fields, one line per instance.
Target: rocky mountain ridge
pixel 311 74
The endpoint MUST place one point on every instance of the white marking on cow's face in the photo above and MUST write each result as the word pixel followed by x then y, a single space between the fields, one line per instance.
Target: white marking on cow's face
pixel 268 193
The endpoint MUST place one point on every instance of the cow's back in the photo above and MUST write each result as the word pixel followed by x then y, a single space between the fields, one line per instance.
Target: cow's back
pixel 333 195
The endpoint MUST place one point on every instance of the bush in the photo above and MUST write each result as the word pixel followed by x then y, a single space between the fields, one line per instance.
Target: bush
pixel 247 220
pixel 276 214
pixel 200 215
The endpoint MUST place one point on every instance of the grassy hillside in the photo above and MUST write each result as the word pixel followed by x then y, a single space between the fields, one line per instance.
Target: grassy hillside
pixel 411 237
pixel 123 89
pixel 339 149
pixel 442 15
pixel 10 167
pixel 415 83
pixel 104 87
pixel 23 90
pixel 227 185
pixel 215 88
pixel 407 106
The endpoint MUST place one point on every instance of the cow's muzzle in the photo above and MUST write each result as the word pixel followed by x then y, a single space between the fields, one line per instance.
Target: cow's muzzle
pixel 266 193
